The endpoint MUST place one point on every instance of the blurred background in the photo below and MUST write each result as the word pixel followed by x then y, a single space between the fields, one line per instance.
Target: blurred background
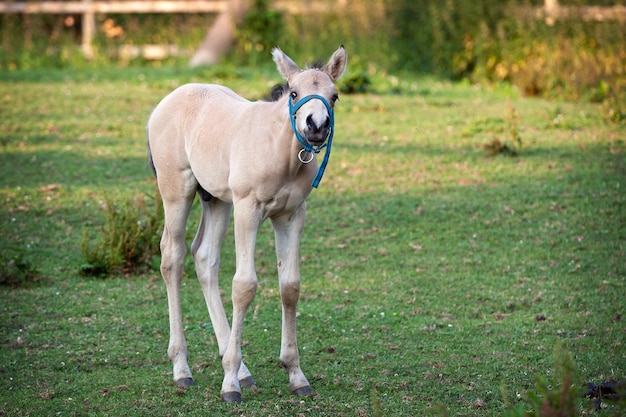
pixel 574 49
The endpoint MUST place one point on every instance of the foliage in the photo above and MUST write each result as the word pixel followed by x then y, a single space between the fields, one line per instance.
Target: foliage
pixel 486 41
pixel 357 82
pixel 559 397
pixel 260 31
pixel 129 237
pixel 440 37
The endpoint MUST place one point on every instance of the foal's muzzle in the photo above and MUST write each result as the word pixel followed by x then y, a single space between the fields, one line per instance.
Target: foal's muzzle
pixel 314 134
pixel 318 136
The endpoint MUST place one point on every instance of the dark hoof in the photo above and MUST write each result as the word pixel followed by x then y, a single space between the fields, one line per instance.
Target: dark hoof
pixel 304 391
pixel 247 382
pixel 184 382
pixel 231 397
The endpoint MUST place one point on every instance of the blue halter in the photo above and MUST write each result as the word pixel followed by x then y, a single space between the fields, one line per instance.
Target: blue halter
pixel 307 147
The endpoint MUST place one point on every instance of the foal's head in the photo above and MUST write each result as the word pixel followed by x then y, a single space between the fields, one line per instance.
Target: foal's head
pixel 313 118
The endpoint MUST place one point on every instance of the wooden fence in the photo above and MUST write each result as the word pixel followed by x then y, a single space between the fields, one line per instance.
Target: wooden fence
pixel 550 11
pixel 89 8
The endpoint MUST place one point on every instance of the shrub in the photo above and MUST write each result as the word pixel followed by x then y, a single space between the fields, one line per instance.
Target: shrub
pixel 129 237
pixel 259 32
pixel 355 83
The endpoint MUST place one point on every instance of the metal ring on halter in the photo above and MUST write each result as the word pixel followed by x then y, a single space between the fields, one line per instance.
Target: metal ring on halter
pixel 302 159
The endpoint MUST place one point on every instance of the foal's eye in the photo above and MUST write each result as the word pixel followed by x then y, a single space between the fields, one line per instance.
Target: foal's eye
pixel 293 95
pixel 334 98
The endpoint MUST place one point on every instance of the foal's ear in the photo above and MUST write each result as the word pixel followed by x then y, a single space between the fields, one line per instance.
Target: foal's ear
pixel 337 63
pixel 285 65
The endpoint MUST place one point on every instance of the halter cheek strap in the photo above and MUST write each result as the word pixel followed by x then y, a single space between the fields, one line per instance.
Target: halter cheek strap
pixel 306 146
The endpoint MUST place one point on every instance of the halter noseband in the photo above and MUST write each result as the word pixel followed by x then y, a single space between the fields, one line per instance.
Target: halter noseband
pixel 306 146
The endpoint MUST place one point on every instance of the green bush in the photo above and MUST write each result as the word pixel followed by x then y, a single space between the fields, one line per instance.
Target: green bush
pixel 129 237
pixel 357 82
pixel 260 31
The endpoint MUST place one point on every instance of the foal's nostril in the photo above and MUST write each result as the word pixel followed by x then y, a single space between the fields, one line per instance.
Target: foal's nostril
pixel 310 123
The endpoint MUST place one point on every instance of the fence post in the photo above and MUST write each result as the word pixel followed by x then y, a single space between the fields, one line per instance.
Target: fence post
pixel 551 7
pixel 89 29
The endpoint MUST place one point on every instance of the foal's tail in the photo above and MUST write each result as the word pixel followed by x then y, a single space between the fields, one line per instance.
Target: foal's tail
pixel 150 161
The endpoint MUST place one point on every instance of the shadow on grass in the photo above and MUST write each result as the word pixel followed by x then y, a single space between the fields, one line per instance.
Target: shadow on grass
pixel 39 168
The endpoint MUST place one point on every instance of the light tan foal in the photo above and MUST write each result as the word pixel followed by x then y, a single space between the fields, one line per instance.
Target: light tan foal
pixel 241 157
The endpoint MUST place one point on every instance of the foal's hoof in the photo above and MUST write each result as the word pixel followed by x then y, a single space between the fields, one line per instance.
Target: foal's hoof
pixel 304 391
pixel 231 397
pixel 184 382
pixel 247 382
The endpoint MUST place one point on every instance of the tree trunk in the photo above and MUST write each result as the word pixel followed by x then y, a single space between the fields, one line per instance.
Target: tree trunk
pixel 221 34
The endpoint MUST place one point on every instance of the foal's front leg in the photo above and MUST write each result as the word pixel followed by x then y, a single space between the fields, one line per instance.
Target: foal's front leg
pixel 288 231
pixel 248 217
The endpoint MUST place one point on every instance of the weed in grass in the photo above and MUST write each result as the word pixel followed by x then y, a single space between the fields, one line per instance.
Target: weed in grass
pixel 511 146
pixel 129 237
pixel 375 403
pixel 558 397
pixel 16 267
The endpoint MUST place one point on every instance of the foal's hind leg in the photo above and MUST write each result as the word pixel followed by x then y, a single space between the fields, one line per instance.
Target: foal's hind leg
pixel 173 251
pixel 206 252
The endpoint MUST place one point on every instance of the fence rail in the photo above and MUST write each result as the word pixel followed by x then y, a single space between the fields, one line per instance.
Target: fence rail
pixel 556 12
pixel 152 6
pixel 120 6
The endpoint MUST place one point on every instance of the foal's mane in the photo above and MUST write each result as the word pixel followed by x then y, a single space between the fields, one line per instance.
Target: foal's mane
pixel 281 89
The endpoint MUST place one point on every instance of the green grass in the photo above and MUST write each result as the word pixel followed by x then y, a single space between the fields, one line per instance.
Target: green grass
pixel 428 265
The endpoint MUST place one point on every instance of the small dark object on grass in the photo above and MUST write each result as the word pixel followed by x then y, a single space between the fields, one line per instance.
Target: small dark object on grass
pixel 497 147
pixel 17 269
pixel 608 390
pixel 93 270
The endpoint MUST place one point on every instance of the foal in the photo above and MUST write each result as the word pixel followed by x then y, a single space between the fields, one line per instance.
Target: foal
pixel 260 158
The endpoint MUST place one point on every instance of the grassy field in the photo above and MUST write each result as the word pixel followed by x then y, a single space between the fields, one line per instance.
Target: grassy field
pixel 437 278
